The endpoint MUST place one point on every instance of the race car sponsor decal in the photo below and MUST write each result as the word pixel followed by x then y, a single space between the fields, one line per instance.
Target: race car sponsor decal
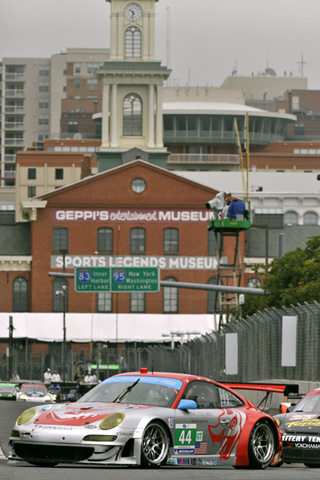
pixel 167 382
pixel 209 463
pixel 302 417
pixel 227 436
pixel 52 427
pixel 301 438
pixel 172 461
pixel 314 422
pixel 171 422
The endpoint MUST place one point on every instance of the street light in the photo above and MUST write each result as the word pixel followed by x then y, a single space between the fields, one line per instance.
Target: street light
pixel 63 292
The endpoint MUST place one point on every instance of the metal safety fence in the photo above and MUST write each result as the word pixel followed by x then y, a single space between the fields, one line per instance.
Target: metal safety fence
pixel 259 353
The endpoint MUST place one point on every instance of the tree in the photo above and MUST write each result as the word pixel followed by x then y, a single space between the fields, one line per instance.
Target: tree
pixel 293 279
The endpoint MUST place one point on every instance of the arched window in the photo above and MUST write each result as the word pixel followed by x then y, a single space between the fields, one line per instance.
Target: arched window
pixel 60 295
pixel 137 241
pixel 170 240
pixel 170 297
pixel 105 240
pixel 212 297
pixel 310 218
pixel 133 43
pixel 20 295
pixel 60 239
pixel 132 115
pixel 291 218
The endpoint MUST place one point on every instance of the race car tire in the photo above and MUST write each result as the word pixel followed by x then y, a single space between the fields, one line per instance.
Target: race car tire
pixel 155 445
pixel 261 446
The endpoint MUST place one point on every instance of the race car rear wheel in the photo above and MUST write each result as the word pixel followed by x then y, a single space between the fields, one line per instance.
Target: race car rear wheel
pixel 261 445
pixel 155 445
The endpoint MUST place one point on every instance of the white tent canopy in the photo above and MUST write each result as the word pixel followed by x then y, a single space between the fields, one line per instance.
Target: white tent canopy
pixel 101 327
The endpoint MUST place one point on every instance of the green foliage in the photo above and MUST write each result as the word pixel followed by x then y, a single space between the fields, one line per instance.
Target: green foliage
pixel 293 279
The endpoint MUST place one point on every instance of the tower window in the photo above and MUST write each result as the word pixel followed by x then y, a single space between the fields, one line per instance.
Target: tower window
pixel 132 115
pixel 133 42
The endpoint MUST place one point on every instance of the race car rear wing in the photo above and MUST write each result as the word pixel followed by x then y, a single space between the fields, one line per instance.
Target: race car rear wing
pixel 288 390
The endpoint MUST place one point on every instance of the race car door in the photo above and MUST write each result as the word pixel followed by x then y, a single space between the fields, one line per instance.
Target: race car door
pixel 211 432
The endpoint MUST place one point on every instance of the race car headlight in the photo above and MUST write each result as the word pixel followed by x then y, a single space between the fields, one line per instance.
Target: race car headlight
pixel 112 421
pixel 47 397
pixel 26 416
pixel 22 396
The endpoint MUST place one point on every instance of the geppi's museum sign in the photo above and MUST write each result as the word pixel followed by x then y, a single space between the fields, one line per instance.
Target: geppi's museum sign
pixel 128 215
pixel 165 263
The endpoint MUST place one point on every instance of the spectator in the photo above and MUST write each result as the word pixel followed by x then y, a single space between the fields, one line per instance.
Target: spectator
pixel 47 376
pixel 89 377
pixel 56 377
pixel 15 377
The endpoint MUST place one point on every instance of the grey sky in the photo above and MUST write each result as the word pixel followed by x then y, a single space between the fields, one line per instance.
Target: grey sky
pixel 208 38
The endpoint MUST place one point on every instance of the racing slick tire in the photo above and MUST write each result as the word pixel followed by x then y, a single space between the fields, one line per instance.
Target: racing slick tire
pixel 261 447
pixel 155 445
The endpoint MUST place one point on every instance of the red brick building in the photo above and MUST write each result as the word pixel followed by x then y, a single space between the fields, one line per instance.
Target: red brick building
pixel 133 215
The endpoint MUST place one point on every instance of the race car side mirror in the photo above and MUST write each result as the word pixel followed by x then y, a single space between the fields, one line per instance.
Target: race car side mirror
pixel 187 404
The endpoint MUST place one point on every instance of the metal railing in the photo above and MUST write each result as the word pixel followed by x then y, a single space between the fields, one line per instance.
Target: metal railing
pixel 203 158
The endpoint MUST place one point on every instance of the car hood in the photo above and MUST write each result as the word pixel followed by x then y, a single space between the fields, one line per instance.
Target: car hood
pixel 296 422
pixel 81 414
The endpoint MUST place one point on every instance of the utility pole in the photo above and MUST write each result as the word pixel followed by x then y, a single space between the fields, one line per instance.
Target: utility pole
pixel 11 328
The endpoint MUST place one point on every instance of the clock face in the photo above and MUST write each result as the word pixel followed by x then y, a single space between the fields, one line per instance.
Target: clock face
pixel 133 12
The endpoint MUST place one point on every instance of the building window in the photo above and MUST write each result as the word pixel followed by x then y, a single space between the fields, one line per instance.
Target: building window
pixel 291 218
pixel 138 185
pixel 171 240
pixel 32 173
pixel 212 299
pixel 137 302
pixel 31 191
pixel 43 86
pixel 310 218
pixel 59 295
pixel 133 42
pixel 105 240
pixel 92 84
pixel 132 115
pixel 170 297
pixel 77 84
pixel 43 119
pixel 60 240
pixel 59 174
pixel 77 68
pixel 43 102
pixel 104 302
pixel 92 67
pixel 73 127
pixel 44 70
pixel 20 295
pixel 137 241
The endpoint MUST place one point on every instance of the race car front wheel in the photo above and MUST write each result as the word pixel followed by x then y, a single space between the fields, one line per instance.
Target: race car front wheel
pixel 155 445
pixel 261 445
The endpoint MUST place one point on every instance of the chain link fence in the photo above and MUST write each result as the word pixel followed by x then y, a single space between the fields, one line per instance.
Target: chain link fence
pixel 259 352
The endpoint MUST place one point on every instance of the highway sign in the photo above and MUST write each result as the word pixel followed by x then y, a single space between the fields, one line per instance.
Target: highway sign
pixel 113 279
pixel 135 279
pixel 92 279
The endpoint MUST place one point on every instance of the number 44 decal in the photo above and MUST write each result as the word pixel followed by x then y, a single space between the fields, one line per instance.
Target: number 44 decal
pixel 185 435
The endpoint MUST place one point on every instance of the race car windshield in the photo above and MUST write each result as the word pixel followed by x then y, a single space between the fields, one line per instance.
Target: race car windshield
pixel 34 390
pixel 142 394
pixel 308 404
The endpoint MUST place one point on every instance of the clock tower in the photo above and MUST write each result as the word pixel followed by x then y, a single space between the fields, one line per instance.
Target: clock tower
pixel 132 82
